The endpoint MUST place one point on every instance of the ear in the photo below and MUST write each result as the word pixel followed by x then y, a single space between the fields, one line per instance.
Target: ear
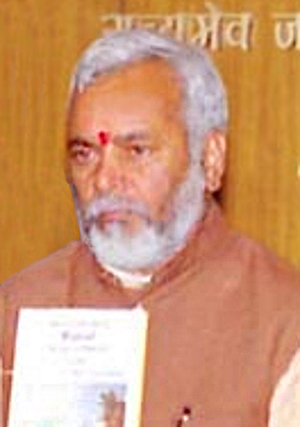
pixel 213 160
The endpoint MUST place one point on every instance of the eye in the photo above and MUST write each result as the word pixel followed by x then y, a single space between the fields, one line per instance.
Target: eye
pixel 139 150
pixel 82 154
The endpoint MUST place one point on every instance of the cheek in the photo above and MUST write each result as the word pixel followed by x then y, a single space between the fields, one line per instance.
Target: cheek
pixel 155 188
pixel 83 185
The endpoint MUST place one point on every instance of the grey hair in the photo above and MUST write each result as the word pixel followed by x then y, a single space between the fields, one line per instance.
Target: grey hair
pixel 204 95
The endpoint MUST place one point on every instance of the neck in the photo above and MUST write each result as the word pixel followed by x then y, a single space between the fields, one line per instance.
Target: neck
pixel 130 279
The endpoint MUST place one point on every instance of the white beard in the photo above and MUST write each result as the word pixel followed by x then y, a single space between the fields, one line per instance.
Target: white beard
pixel 156 242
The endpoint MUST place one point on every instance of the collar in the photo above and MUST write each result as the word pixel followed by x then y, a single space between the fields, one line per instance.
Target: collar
pixel 128 279
pixel 210 235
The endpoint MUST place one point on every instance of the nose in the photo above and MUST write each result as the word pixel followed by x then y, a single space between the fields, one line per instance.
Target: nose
pixel 109 175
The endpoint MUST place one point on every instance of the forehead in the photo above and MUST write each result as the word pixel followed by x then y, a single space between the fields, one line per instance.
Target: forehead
pixel 136 94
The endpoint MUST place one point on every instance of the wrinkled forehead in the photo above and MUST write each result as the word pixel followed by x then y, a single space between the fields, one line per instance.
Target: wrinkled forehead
pixel 159 69
pixel 148 77
pixel 136 93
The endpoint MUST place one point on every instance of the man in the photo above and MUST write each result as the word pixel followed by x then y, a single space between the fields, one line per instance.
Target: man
pixel 145 152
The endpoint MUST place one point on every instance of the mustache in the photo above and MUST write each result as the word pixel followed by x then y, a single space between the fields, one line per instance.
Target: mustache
pixel 107 203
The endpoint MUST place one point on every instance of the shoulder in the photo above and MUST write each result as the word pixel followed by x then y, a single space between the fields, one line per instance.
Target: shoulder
pixel 268 273
pixel 270 286
pixel 265 287
pixel 242 260
pixel 52 269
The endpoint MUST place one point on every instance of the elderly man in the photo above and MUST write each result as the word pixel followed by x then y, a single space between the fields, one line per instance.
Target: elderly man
pixel 145 151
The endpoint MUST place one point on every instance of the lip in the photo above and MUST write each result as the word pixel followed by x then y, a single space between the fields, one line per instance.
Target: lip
pixel 115 215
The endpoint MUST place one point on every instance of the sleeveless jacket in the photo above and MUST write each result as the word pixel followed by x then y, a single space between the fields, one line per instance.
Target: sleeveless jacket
pixel 224 323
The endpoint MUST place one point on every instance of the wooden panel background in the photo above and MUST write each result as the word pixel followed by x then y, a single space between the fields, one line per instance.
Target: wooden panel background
pixel 39 42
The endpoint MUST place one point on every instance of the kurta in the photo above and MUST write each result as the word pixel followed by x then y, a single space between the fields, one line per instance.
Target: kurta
pixel 224 322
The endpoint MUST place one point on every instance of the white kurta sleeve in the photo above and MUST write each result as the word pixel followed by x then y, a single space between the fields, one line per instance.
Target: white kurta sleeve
pixel 285 403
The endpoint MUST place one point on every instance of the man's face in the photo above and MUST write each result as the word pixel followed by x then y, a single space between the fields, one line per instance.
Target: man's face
pixel 127 180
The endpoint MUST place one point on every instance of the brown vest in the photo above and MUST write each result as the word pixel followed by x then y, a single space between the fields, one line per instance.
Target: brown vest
pixel 224 319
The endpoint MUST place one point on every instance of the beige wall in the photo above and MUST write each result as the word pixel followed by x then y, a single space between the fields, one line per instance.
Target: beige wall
pixel 39 42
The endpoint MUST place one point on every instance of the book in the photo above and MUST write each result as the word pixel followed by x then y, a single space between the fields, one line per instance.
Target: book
pixel 78 368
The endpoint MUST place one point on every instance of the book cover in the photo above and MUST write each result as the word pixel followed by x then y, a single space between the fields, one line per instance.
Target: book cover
pixel 78 368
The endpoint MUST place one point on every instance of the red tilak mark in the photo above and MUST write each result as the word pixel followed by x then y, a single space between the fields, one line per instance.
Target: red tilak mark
pixel 103 137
